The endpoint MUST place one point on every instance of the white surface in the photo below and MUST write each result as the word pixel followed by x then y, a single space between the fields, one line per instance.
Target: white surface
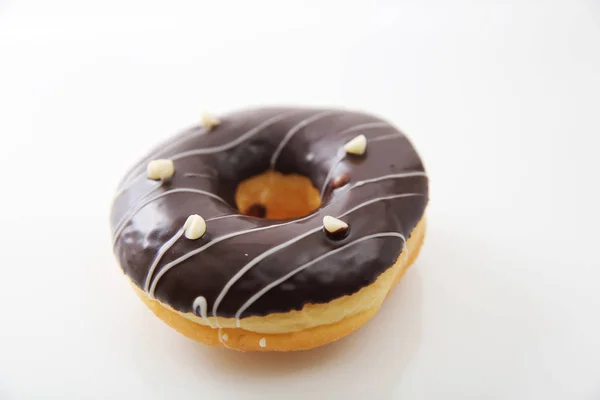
pixel 501 100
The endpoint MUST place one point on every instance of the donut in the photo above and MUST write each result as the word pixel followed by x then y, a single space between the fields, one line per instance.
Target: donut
pixel 271 228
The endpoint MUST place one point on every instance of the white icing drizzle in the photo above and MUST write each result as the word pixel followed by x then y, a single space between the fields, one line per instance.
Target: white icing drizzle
pixel 201 306
pixel 365 126
pixel 130 180
pixel 123 223
pixel 375 200
pixel 122 190
pixel 262 342
pixel 235 142
pixel 192 253
pixel 407 250
pixel 210 171
pixel 340 156
pixel 223 337
pixel 161 252
pixel 294 130
pixel 396 135
pixel 277 282
pixel 390 176
pixel 210 150
pixel 141 200
pixel 125 185
pixel 384 177
pixel 283 245
pixel 193 175
pixel 252 263
pixel 222 217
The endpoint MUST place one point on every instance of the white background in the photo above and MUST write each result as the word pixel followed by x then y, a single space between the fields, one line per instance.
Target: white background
pixel 502 99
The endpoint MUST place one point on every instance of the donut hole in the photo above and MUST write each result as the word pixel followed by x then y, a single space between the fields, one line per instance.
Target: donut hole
pixel 273 195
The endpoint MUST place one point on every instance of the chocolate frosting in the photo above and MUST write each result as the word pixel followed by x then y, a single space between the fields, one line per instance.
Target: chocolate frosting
pixel 245 265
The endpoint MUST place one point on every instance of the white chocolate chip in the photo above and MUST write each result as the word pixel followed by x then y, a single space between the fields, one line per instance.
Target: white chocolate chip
pixel 225 337
pixel 195 227
pixel 333 225
pixel 262 342
pixel 209 120
pixel 357 146
pixel 160 169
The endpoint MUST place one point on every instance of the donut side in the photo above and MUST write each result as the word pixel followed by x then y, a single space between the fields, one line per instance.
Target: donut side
pixel 322 328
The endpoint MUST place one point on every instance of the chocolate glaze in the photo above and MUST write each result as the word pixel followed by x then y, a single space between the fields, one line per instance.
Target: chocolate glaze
pixel 147 216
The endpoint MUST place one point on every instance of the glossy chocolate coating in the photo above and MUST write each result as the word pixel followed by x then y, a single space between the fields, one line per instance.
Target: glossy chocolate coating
pixel 143 227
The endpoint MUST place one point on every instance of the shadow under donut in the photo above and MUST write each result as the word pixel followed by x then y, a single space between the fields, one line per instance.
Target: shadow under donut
pixel 369 362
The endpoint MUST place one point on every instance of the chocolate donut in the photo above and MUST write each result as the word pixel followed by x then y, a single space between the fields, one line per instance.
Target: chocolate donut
pixel 180 239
